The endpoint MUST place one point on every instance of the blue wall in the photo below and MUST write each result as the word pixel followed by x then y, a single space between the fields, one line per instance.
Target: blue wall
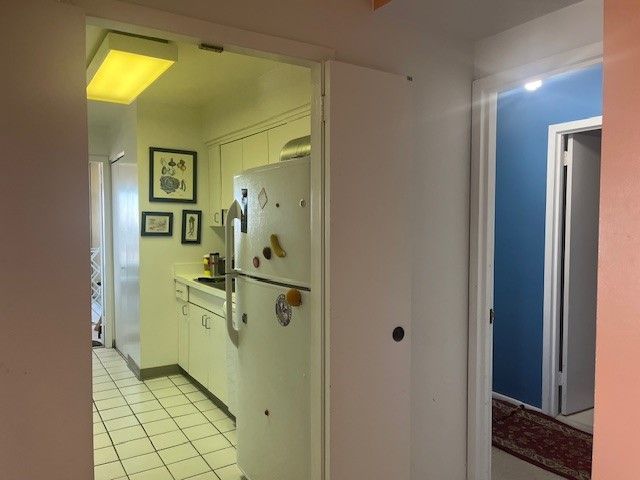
pixel 521 178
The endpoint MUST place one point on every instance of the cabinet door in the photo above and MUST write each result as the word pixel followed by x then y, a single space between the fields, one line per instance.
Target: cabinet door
pixel 182 315
pixel 279 136
pixel 230 165
pixel 218 358
pixel 215 187
pixel 198 344
pixel 255 150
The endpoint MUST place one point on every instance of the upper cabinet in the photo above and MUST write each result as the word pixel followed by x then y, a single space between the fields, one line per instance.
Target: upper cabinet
pixel 229 159
pixel 282 134
pixel 230 166
pixel 255 150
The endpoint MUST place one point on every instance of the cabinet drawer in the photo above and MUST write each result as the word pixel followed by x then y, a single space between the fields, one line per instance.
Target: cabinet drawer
pixel 182 292
pixel 211 303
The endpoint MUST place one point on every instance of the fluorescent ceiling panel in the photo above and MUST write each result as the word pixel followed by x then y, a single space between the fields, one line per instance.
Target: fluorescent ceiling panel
pixel 124 66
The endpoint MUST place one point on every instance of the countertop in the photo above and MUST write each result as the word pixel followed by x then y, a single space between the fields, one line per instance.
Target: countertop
pixel 188 280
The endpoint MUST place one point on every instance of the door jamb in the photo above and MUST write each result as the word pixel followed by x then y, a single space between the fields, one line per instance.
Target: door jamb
pixel 552 257
pixel 482 214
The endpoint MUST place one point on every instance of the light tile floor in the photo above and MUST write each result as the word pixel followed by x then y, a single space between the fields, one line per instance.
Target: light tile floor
pixel 161 429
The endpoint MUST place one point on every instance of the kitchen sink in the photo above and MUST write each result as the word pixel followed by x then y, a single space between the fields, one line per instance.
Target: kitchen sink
pixel 218 283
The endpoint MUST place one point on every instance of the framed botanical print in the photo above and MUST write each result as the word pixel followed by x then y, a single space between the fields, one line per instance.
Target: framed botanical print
pixel 157 224
pixel 173 175
pixel 191 226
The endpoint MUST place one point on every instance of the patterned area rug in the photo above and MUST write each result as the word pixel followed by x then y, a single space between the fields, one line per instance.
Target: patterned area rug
pixel 541 440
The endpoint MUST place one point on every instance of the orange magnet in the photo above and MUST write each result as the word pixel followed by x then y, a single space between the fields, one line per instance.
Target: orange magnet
pixel 294 297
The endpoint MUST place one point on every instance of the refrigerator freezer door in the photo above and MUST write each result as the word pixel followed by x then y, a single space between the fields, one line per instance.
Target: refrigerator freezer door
pixel 273 413
pixel 276 206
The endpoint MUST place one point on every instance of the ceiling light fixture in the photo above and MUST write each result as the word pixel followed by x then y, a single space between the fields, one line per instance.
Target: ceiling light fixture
pixel 533 86
pixel 125 65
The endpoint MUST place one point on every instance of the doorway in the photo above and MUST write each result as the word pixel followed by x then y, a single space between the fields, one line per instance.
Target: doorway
pixel 169 384
pixel 573 183
pixel 97 254
pixel 515 348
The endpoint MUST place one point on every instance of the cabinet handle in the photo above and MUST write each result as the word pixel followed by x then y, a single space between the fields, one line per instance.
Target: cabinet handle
pixel 216 217
pixel 184 309
pixel 202 320
pixel 206 323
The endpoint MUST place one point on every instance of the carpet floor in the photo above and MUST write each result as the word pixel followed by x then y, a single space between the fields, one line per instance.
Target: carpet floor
pixel 541 440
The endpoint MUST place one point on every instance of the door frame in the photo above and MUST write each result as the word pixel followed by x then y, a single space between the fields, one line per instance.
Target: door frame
pixel 152 22
pixel 553 258
pixel 481 239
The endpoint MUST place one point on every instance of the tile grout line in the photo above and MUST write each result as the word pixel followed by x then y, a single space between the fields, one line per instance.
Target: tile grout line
pixel 170 417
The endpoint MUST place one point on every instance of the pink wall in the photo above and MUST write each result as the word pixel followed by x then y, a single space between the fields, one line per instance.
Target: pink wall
pixel 45 357
pixel 617 422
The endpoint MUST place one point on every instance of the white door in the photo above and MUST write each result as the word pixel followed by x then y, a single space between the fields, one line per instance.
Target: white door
pixel 126 233
pixel 369 147
pixel 580 271
pixel 273 383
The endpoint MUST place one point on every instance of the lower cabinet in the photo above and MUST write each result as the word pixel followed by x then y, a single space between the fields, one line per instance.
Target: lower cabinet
pixel 182 312
pixel 218 382
pixel 206 349
pixel 198 344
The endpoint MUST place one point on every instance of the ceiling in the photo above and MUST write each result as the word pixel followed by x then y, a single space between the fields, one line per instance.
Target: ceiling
pixel 472 19
pixel 196 79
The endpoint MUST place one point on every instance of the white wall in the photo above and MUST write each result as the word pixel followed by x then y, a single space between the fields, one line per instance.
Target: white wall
pixel 274 93
pixel 176 128
pixel 572 27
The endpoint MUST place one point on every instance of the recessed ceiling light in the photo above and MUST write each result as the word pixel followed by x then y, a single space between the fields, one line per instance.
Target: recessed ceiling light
pixel 125 65
pixel 533 86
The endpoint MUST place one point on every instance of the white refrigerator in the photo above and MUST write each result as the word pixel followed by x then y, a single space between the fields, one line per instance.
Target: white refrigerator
pixel 270 324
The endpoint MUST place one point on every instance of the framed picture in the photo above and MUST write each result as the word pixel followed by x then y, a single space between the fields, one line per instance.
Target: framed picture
pixel 173 175
pixel 191 226
pixel 157 224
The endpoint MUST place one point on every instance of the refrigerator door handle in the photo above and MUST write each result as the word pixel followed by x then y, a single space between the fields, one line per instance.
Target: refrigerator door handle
pixel 234 211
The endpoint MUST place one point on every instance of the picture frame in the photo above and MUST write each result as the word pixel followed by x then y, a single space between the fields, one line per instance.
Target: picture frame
pixel 191 227
pixel 173 175
pixel 156 224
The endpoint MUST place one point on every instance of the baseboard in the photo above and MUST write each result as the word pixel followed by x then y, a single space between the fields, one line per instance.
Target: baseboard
pixel 166 370
pixel 504 398
pixel 133 366
pixel 162 371
pixel 219 403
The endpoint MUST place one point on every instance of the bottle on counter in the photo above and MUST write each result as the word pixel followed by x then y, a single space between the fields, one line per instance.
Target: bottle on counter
pixel 206 265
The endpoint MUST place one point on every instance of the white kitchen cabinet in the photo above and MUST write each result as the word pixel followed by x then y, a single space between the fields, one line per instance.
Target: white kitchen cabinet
pixel 215 187
pixel 230 165
pixel 198 344
pixel 255 150
pixel 182 314
pixel 282 134
pixel 229 159
pixel 218 382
